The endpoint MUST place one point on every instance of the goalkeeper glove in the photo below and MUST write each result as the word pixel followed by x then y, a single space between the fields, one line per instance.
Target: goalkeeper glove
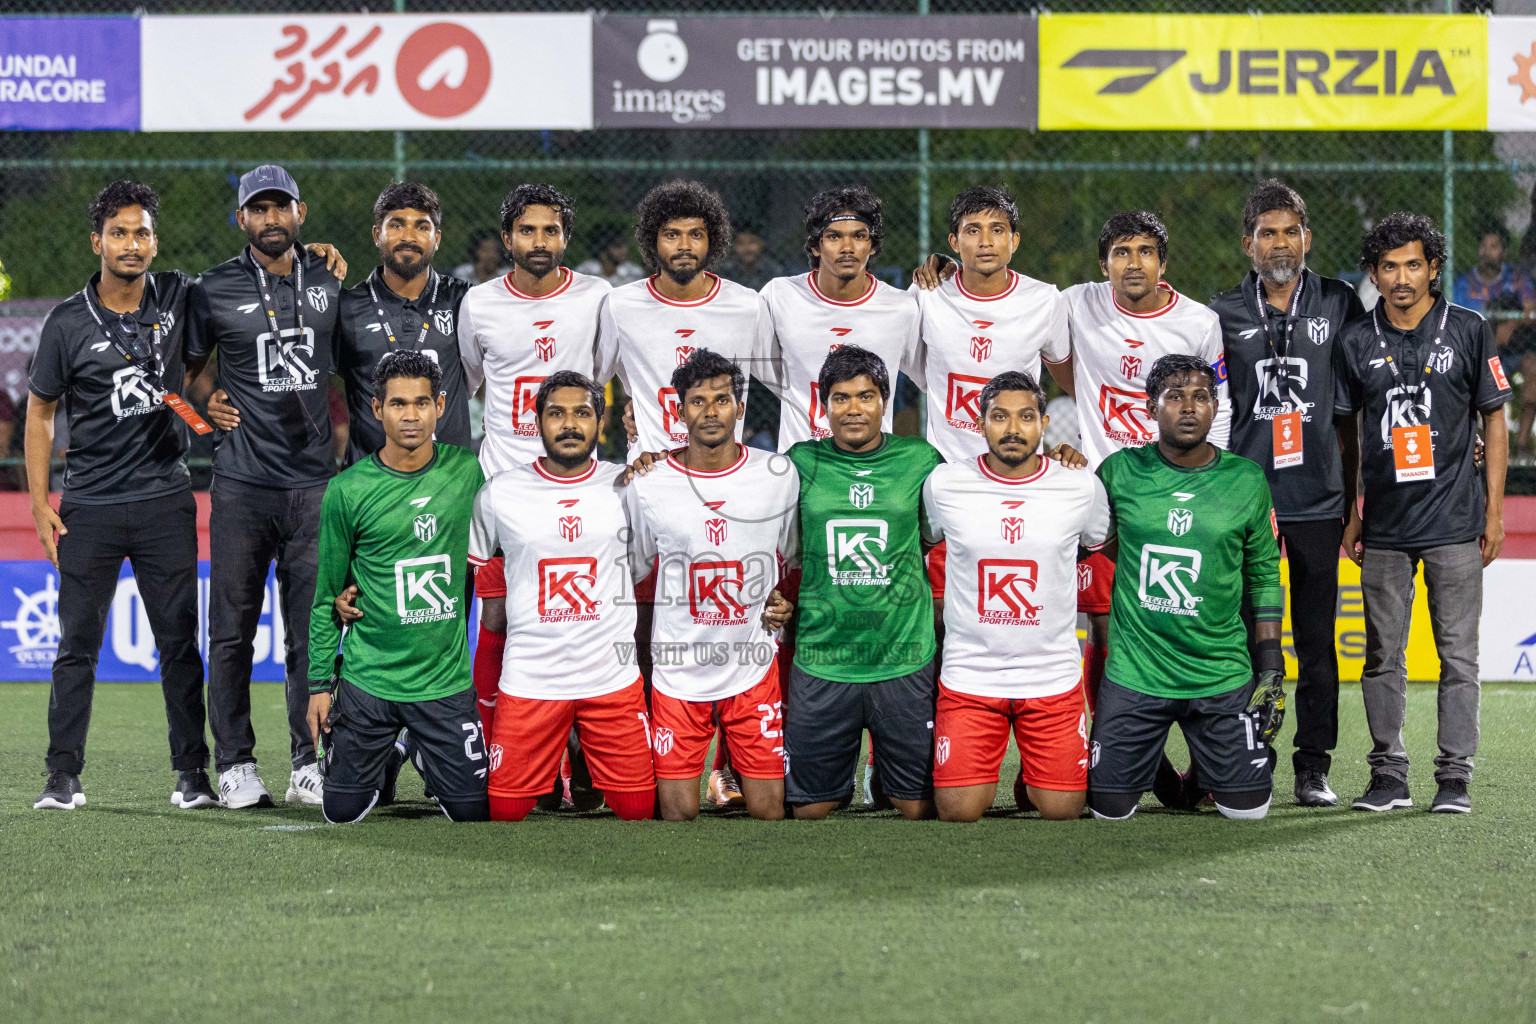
pixel 1267 705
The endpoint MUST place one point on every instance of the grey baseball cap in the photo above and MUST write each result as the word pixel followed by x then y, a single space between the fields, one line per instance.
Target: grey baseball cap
pixel 267 178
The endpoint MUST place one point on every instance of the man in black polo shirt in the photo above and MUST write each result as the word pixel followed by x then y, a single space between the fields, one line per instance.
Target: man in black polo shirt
pixel 271 314
pixel 405 305
pixel 113 353
pixel 1419 371
pixel 1278 328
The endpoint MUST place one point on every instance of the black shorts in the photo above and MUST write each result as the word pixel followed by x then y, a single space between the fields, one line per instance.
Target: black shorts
pixel 1130 729
pixel 447 734
pixel 824 723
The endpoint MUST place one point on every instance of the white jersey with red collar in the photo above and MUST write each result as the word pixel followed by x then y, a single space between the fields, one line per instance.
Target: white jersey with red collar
pixel 1010 601
pixel 644 336
pixel 1113 350
pixel 570 598
pixel 512 341
pixel 721 539
pixel 807 325
pixel 968 339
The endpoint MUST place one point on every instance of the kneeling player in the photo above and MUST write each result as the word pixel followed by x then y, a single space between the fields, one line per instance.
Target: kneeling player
pixel 720 517
pixel 1013 523
pixel 1196 537
pixel 398 523
pixel 561 524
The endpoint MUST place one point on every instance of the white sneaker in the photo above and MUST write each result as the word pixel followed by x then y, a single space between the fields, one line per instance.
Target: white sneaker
pixel 240 786
pixel 305 786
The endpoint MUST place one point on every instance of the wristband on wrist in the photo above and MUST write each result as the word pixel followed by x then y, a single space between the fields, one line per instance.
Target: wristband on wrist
pixel 1270 657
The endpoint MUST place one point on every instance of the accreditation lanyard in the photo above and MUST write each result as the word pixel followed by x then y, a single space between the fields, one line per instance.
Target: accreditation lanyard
pixel 1416 389
pixel 149 363
pixel 264 287
pixel 389 328
pixel 1285 428
pixel 1412 447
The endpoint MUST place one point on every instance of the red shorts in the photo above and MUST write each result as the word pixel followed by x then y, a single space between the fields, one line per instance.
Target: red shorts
pixel 936 570
pixel 528 738
pixel 971 736
pixel 1095 580
pixel 491 580
pixel 645 590
pixel 752 723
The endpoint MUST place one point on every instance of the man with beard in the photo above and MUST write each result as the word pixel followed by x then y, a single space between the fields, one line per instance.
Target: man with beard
pixel 271 313
pixel 1195 531
pixel 514 331
pixel 561 524
pixel 405 305
pixel 1278 329
pixel 1013 525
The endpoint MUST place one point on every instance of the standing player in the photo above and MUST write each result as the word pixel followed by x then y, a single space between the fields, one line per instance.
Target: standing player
pixel 1012 524
pixel 864 627
pixel 513 332
pixel 650 327
pixel 1196 530
pixel 561 525
pixel 271 315
pixel 405 305
pixel 1278 328
pixel 1120 327
pixel 721 519
pixel 838 303
pixel 398 523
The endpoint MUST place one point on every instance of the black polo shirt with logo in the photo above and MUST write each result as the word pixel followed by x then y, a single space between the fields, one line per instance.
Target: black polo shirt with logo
pixel 1282 363
pixel 1465 380
pixel 125 444
pixel 280 385
pixel 366 326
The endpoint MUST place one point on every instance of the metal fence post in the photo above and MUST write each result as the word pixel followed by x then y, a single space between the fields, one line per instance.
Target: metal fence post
pixel 924 172
pixel 399 135
pixel 1448 195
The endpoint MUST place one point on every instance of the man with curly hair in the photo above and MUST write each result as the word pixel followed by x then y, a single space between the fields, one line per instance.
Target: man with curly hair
pixel 649 328
pixel 1419 371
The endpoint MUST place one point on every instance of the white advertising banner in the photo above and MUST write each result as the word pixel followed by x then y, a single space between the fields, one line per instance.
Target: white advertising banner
pixel 1507 630
pixel 1511 74
pixel 324 72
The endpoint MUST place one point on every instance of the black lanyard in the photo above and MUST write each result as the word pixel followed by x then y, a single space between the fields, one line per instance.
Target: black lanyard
pixel 1282 358
pixel 265 290
pixel 389 329
pixel 1417 388
pixel 147 362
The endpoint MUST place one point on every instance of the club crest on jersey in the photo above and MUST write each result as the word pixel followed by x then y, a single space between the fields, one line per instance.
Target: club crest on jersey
pixel 1317 329
pixel 714 593
pixel 496 754
pixel 941 750
pixel 566 590
pixel 1179 521
pixel 442 319
pixel 1167 573
pixel 318 299
pixel 1001 588
pixel 1130 367
pixel 1013 529
pixel 1084 577
pixel 426 527
pixel 662 739
pixel 544 348
pixel 860 495
pixel 570 527
pixel 856 551
pixel 424 589
pixel 684 352
pixel 981 348
pixel 715 528
pixel 1441 361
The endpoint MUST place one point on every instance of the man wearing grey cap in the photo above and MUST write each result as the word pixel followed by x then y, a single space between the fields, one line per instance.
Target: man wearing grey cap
pixel 271 315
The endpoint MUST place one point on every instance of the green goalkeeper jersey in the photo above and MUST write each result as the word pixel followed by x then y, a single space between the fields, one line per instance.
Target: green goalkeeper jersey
pixel 865 612
pixel 403 538
pixel 1195 544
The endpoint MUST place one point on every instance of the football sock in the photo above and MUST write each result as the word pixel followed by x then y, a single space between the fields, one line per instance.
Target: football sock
pixel 511 808
pixel 487 674
pixel 1093 672
pixel 632 806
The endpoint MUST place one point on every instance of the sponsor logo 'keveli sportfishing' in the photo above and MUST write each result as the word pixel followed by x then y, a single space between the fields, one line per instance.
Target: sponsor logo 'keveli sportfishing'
pixel 1365 72
pixel 856 552
pixel 424 590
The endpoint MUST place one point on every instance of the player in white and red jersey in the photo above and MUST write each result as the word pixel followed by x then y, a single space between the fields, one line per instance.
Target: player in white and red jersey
pixel 1013 522
pixel 561 524
pixel 1120 327
pixel 838 303
pixel 720 520
pixel 650 327
pixel 513 331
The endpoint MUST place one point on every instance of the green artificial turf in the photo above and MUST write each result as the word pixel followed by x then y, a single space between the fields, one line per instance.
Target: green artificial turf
pixel 129 910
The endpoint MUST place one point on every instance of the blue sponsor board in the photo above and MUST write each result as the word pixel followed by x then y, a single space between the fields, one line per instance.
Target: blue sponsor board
pixel 69 73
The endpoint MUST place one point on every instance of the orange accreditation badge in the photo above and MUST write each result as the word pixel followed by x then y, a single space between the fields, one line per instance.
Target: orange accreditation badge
pixel 1412 454
pixel 1287 429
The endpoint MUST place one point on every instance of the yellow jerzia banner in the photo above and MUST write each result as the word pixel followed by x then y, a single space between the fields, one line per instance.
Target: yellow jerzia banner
pixel 1364 72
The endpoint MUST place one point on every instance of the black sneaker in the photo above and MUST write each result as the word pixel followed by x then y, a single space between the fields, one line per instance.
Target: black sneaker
pixel 193 790
pixel 1312 790
pixel 1451 798
pixel 61 793
pixel 1383 794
